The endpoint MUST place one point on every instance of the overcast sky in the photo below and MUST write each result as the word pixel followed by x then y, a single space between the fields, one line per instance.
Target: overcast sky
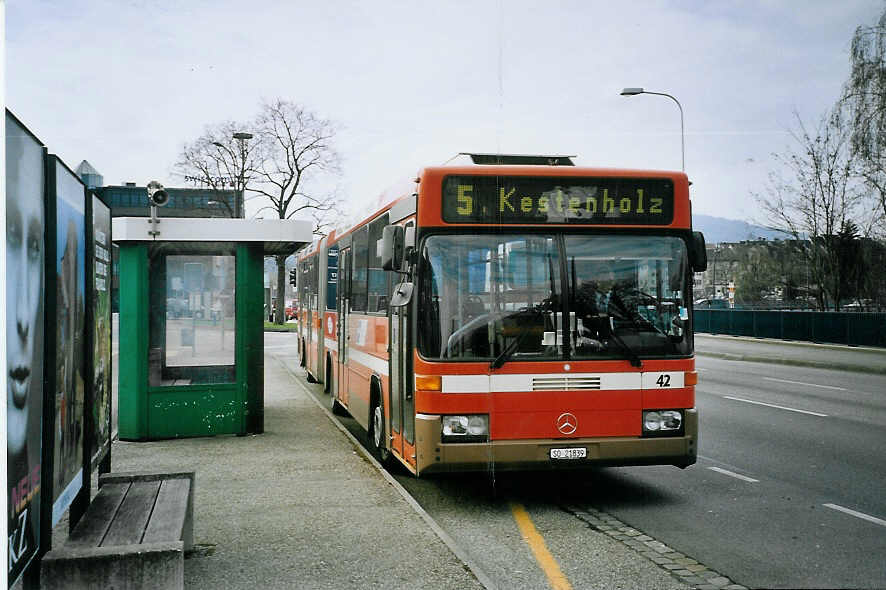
pixel 125 83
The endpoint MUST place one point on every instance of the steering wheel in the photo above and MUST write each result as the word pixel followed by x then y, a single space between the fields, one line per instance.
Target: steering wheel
pixel 481 320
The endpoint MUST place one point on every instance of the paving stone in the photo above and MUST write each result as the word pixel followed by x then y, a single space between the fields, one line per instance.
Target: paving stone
pixel 707 587
pixel 671 566
pixel 658 546
pixel 696 568
pixel 661 560
pixel 694 580
pixel 720 581
pixel 735 587
pixel 683 573
pixel 645 538
pixel 686 561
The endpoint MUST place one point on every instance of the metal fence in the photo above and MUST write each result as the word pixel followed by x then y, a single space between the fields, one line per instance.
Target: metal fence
pixel 857 329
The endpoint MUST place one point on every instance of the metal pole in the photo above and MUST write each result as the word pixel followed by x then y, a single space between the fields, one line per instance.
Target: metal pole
pixel 682 140
pixel 636 91
pixel 242 191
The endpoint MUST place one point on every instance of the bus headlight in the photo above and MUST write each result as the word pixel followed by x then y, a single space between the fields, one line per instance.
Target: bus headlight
pixel 662 422
pixel 470 428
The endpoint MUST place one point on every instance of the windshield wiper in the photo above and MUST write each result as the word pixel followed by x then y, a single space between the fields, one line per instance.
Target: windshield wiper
pixel 511 348
pixel 632 354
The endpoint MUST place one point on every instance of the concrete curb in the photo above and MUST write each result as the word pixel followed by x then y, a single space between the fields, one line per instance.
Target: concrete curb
pixel 795 362
pixel 828 345
pixel 862 359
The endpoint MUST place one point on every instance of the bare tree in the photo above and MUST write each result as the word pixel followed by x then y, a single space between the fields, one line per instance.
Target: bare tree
pixel 865 96
pixel 284 155
pixel 818 201
pixel 297 154
pixel 222 158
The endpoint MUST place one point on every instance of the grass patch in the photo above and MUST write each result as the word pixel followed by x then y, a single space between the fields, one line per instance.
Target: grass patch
pixel 272 327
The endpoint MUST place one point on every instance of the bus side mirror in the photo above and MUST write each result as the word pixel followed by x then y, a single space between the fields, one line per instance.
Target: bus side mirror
pixel 392 247
pixel 402 294
pixel 698 255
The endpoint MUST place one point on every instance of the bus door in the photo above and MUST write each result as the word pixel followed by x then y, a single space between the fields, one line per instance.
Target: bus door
pixel 402 402
pixel 342 305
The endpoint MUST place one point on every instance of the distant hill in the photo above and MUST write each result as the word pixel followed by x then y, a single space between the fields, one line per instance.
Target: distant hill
pixel 719 229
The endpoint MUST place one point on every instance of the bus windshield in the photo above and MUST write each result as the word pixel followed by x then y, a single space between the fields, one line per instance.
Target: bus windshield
pixel 500 297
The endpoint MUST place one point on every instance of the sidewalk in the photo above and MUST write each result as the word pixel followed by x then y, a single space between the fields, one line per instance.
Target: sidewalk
pixel 801 354
pixel 297 506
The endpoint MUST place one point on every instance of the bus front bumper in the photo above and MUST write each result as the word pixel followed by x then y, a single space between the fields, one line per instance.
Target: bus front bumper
pixel 434 456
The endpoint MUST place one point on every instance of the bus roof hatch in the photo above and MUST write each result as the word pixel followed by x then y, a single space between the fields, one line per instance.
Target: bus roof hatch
pixel 519 159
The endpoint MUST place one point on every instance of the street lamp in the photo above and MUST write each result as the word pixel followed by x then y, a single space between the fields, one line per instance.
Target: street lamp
pixel 636 91
pixel 242 137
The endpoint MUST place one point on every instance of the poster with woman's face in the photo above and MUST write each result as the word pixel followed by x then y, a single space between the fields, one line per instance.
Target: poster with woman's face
pixel 101 378
pixel 25 242
pixel 70 393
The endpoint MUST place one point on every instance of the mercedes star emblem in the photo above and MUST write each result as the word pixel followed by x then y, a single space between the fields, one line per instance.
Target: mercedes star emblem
pixel 567 423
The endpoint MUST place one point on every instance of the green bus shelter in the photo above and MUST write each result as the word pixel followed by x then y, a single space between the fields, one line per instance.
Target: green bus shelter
pixel 191 323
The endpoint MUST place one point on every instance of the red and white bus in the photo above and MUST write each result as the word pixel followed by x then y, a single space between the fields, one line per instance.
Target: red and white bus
pixel 513 312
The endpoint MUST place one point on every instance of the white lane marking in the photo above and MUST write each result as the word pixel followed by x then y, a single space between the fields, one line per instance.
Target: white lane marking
pixel 806 384
pixel 735 475
pixel 750 401
pixel 860 515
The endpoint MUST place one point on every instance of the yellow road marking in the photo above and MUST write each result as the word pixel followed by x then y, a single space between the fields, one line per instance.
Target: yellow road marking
pixel 537 543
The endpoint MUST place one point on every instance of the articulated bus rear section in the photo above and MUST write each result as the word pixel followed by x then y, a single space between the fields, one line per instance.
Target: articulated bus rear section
pixel 311 270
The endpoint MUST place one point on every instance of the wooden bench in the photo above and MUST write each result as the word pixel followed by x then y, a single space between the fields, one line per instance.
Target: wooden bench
pixel 134 535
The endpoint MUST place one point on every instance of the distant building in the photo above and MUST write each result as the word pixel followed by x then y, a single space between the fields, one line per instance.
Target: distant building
pixel 130 200
pixel 89 175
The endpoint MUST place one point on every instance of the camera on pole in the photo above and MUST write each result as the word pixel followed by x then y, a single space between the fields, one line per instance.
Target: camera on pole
pixel 158 197
pixel 157 194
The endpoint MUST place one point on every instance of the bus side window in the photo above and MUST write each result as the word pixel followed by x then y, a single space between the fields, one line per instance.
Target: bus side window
pixel 360 275
pixel 378 280
pixel 331 277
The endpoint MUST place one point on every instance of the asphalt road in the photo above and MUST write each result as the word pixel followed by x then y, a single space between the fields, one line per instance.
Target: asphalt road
pixel 768 502
pixel 787 491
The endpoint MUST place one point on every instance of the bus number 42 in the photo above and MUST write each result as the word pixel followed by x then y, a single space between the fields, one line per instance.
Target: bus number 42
pixel 664 381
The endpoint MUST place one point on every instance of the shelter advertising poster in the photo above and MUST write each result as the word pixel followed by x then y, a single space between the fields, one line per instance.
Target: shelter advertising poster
pixel 70 387
pixel 25 245
pixel 101 302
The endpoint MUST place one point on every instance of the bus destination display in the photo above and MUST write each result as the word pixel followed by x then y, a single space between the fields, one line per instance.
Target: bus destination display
pixel 572 200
